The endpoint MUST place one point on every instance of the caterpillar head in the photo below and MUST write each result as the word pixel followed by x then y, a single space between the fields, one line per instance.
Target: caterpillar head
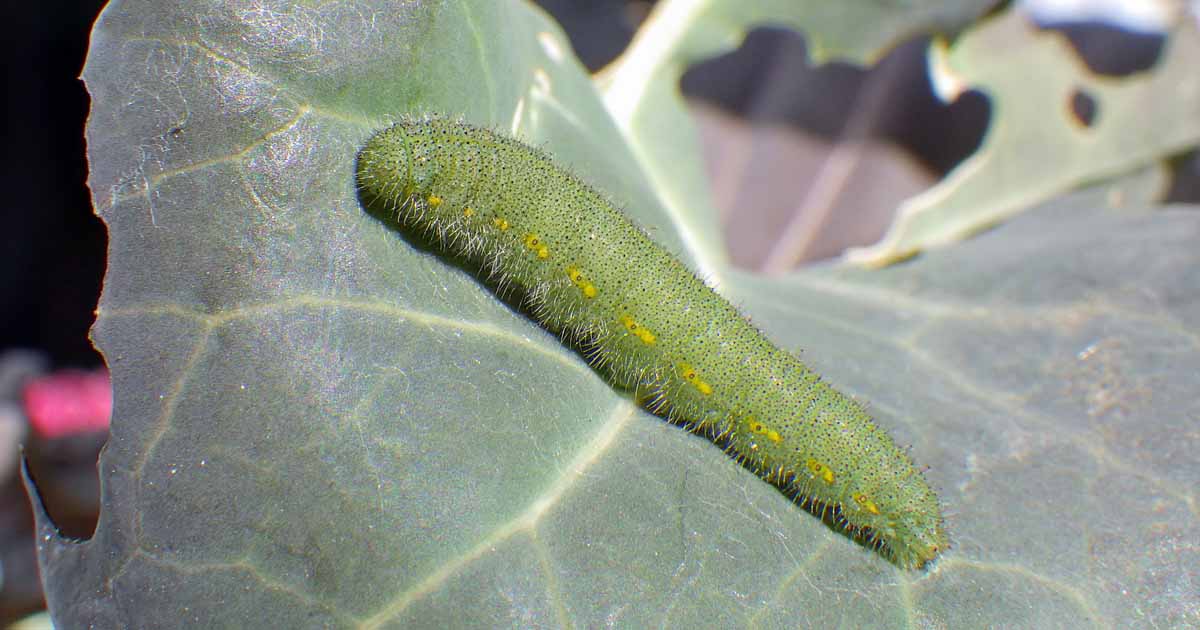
pixel 903 517
pixel 384 164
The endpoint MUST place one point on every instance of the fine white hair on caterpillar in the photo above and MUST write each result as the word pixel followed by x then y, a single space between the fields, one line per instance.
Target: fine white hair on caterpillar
pixel 639 314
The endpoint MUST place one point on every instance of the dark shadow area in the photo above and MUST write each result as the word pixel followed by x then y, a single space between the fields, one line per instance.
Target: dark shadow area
pixel 1185 179
pixel 599 30
pixel 53 244
pixel 54 259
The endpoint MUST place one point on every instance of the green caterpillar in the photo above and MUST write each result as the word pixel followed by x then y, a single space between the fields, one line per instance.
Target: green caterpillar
pixel 644 318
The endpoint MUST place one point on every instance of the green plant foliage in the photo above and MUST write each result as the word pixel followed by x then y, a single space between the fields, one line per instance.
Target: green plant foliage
pixel 318 424
pixel 1036 147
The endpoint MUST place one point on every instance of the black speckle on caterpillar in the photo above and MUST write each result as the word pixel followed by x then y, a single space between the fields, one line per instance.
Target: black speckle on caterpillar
pixel 644 318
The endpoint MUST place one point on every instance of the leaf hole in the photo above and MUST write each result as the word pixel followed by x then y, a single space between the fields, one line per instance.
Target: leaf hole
pixel 1083 107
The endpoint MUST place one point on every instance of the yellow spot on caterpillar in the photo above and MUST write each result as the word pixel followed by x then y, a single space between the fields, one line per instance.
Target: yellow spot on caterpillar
pixel 434 200
pixel 866 503
pixel 468 212
pixel 535 245
pixel 762 429
pixel 821 470
pixel 689 374
pixel 641 332
pixel 581 281
pixel 500 223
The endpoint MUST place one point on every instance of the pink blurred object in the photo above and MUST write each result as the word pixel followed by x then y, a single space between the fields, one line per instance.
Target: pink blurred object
pixel 69 402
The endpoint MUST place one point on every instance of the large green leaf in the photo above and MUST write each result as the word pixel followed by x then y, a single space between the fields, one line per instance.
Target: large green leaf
pixel 317 424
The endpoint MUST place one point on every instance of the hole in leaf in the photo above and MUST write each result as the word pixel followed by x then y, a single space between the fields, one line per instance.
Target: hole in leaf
pixel 1109 50
pixel 1084 107
pixel 808 159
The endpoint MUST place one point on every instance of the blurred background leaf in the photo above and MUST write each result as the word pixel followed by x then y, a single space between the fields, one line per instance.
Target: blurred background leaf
pixel 1056 125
